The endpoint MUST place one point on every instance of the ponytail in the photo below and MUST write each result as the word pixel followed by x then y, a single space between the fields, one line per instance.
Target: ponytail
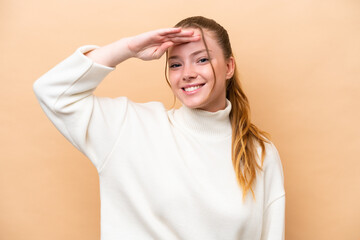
pixel 245 135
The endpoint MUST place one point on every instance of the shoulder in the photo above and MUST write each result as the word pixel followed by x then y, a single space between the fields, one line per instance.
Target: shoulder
pixel 273 170
pixel 149 108
pixel 129 109
pixel 146 113
pixel 271 152
pixel 272 156
pixel 272 159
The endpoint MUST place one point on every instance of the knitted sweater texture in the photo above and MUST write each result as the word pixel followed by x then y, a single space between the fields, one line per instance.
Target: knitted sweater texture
pixel 164 174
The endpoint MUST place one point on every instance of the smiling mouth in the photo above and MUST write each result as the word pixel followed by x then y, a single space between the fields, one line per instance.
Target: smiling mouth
pixel 193 88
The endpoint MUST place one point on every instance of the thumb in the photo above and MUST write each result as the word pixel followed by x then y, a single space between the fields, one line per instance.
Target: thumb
pixel 163 47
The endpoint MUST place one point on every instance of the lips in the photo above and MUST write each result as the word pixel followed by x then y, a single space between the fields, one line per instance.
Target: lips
pixel 193 87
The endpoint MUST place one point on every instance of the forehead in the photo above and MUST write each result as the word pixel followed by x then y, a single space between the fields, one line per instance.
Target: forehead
pixel 190 47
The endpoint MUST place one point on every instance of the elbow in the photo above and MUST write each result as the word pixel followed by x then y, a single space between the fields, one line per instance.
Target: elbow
pixel 37 88
pixel 42 93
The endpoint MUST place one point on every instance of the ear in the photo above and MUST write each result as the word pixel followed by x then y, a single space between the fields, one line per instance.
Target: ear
pixel 230 67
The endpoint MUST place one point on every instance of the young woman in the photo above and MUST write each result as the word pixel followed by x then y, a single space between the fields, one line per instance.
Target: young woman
pixel 203 171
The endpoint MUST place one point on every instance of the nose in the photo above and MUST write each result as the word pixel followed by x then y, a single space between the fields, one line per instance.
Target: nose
pixel 189 73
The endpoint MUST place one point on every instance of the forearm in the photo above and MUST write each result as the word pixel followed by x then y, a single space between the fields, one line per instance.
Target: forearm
pixel 112 54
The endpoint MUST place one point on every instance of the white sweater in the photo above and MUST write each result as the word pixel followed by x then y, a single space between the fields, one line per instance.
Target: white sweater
pixel 164 175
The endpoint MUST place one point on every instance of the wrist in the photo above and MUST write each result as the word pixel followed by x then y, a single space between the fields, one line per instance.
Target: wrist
pixel 119 52
pixel 122 50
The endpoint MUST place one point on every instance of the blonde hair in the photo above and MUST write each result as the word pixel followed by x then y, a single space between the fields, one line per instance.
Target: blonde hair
pixel 244 133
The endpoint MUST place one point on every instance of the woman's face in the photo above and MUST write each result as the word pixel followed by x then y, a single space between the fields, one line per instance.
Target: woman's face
pixel 191 76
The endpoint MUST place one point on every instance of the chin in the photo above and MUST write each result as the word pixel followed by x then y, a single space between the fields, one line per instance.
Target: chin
pixel 194 105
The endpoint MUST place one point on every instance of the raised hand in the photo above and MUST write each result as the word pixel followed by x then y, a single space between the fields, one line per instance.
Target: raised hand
pixel 152 45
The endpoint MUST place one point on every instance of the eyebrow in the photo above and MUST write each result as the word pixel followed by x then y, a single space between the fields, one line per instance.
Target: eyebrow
pixel 192 54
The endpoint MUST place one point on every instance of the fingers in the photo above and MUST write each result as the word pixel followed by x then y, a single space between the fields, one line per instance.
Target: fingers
pixel 182 39
pixel 175 32
pixel 166 31
pixel 175 35
pixel 153 44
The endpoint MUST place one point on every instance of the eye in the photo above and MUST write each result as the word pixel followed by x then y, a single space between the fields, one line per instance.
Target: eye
pixel 203 60
pixel 174 65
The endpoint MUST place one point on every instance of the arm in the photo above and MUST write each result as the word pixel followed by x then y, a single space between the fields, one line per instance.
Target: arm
pixel 274 210
pixel 274 220
pixel 65 93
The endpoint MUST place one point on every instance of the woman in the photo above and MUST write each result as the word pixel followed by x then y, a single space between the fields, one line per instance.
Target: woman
pixel 199 172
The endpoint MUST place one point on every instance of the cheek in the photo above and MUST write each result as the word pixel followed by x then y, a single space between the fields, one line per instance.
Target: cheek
pixel 221 72
pixel 173 83
pixel 174 78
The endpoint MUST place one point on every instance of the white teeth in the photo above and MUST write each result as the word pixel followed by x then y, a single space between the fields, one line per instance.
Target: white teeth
pixel 189 89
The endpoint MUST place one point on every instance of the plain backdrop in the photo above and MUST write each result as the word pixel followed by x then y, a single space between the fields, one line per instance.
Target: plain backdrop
pixel 299 63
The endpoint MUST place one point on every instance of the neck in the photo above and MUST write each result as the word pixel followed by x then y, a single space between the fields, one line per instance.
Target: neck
pixel 211 125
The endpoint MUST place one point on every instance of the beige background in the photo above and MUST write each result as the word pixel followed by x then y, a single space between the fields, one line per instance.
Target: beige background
pixel 300 66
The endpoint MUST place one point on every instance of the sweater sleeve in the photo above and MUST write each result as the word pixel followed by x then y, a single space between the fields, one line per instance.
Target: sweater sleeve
pixel 65 93
pixel 274 210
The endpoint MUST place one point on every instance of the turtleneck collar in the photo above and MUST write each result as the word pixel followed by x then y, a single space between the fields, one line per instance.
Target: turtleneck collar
pixel 203 123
